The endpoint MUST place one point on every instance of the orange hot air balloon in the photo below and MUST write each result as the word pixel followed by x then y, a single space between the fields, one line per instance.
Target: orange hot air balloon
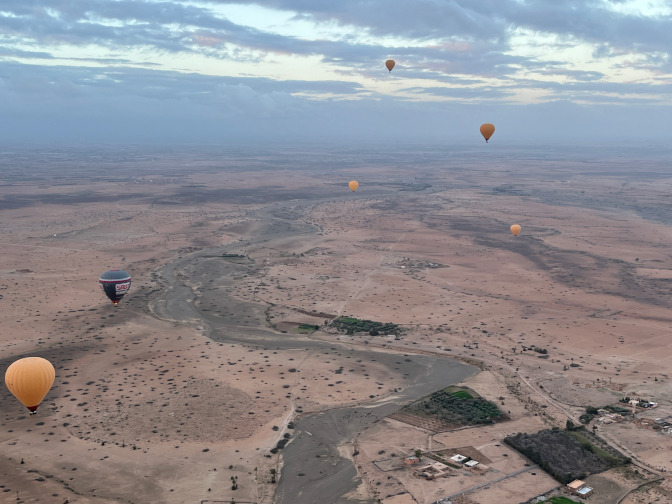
pixel 390 65
pixel 353 185
pixel 515 229
pixel 487 130
pixel 30 379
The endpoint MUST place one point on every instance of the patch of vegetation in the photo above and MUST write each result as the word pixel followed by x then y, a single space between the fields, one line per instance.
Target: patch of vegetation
pixel 586 418
pixel 462 394
pixel 567 455
pixel 352 325
pixel 456 407
pixel 617 409
pixel 306 328
pixel 561 500
pixel 605 452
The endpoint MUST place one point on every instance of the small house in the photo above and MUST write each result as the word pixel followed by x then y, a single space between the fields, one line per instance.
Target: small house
pixel 433 471
pixel 574 487
pixel 412 460
pixel 459 459
pixel 471 464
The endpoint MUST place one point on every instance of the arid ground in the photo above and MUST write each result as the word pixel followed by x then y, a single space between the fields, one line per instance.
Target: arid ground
pixel 185 389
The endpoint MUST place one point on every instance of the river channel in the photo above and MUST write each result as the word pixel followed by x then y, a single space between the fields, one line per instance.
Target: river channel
pixel 314 469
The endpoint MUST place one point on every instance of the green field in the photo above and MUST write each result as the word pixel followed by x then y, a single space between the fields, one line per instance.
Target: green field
pixel 561 500
pixel 306 329
pixel 461 392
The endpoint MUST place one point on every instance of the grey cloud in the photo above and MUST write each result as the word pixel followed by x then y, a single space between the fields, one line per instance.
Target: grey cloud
pixel 158 85
pixel 140 105
pixel 579 75
pixel 7 52
pixel 19 53
pixel 481 93
pixel 488 19
pixel 597 87
pixel 473 36
pixel 417 19
pixel 170 26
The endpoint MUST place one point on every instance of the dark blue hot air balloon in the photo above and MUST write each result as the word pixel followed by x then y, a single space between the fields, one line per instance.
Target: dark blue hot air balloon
pixel 115 284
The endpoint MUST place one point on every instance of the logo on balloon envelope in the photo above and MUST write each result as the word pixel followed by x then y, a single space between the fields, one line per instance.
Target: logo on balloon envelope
pixel 121 288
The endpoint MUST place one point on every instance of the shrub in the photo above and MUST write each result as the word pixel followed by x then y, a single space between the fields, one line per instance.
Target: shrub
pixel 586 418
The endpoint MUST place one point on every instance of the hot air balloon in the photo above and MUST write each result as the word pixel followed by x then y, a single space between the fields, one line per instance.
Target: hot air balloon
pixel 115 283
pixel 390 65
pixel 30 379
pixel 353 185
pixel 515 229
pixel 487 130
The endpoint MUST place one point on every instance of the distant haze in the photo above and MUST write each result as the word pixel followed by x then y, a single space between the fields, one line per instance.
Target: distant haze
pixel 546 71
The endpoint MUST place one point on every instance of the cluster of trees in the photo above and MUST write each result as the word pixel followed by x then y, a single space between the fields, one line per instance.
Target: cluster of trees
pixel 281 444
pixel 352 325
pixel 308 327
pixel 567 454
pixel 616 409
pixel 590 413
pixel 457 409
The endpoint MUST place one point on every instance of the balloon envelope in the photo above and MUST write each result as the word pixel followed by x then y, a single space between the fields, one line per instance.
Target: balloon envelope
pixel 30 379
pixel 353 185
pixel 115 284
pixel 515 229
pixel 487 130
pixel 389 64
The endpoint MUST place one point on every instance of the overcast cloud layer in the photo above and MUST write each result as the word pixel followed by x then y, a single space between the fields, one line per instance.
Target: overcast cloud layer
pixel 212 70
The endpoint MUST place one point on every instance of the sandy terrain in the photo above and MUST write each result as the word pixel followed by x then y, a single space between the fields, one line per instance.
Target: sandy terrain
pixel 185 381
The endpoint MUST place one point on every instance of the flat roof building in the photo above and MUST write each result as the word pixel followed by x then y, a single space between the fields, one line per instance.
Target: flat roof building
pixel 433 471
pixel 584 492
pixel 458 458
pixel 574 487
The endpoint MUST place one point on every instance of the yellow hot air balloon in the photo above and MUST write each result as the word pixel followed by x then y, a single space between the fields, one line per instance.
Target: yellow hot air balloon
pixel 353 185
pixel 515 229
pixel 487 130
pixel 30 379
pixel 390 65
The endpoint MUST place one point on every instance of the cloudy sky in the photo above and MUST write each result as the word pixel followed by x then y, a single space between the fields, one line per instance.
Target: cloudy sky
pixel 217 71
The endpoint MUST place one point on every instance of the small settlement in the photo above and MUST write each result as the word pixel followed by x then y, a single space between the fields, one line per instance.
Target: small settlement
pixel 439 470
pixel 579 488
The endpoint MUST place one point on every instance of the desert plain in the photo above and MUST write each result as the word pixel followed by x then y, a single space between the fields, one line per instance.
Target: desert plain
pixel 182 393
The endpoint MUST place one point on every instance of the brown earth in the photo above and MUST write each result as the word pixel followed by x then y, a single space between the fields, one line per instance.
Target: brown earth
pixel 587 279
